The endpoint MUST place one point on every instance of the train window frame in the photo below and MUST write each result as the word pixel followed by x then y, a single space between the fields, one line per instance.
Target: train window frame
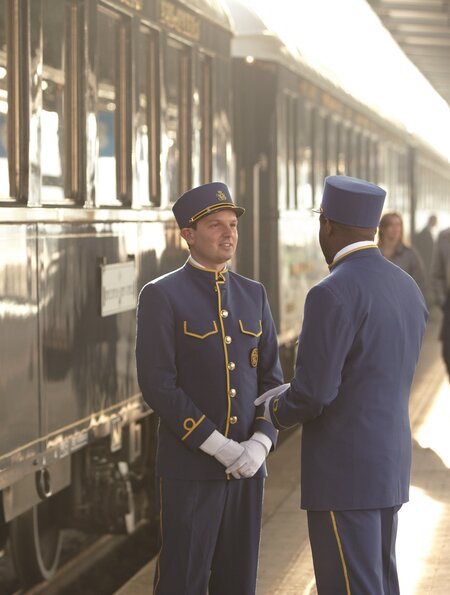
pixel 122 85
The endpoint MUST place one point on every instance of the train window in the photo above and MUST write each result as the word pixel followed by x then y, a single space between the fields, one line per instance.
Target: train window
pixel 148 130
pixel 331 146
pixel 53 163
pixel 287 153
pixel 113 175
pixel 4 172
pixel 341 149
pixel 222 154
pixel 287 157
pixel 372 172
pixel 304 153
pixel 355 160
pixel 318 156
pixel 349 150
pixel 206 119
pixel 282 146
pixel 291 141
pixel 365 156
pixel 176 132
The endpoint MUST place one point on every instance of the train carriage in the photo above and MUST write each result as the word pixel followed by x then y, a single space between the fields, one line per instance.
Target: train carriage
pixel 109 109
pixel 293 127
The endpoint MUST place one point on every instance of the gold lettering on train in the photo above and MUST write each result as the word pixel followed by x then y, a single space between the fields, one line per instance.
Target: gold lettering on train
pixel 333 104
pixel 179 20
pixel 307 89
pixel 136 4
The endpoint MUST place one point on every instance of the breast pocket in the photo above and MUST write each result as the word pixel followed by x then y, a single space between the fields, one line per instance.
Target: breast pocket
pixel 200 330
pixel 252 328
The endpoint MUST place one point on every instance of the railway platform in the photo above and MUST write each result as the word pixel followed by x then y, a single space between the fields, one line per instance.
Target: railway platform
pixel 423 544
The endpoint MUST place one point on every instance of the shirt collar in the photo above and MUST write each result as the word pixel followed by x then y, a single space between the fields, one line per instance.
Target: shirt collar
pixel 351 248
pixel 200 266
pixel 218 276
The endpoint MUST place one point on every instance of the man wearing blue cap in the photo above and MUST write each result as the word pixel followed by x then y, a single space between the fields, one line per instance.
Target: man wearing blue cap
pixel 360 340
pixel 206 347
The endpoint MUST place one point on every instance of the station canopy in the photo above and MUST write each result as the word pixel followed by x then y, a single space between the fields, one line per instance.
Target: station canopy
pixel 346 42
pixel 422 30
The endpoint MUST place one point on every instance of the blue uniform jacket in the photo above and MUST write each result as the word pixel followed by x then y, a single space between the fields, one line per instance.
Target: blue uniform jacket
pixel 206 348
pixel 360 341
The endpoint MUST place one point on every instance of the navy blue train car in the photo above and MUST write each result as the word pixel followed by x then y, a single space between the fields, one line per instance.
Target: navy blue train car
pixel 108 110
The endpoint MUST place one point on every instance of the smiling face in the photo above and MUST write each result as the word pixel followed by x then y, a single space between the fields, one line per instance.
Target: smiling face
pixel 214 239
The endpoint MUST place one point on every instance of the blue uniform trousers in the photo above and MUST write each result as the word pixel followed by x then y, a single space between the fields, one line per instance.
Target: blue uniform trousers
pixel 354 551
pixel 209 534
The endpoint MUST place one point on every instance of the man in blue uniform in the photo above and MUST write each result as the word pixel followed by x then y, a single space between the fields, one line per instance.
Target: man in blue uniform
pixel 206 347
pixel 361 336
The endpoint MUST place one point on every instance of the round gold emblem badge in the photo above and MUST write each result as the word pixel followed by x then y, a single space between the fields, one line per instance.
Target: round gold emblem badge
pixel 254 357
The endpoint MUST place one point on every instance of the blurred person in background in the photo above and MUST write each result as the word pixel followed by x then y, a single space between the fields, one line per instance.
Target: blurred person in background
pixel 393 247
pixel 441 286
pixel 424 243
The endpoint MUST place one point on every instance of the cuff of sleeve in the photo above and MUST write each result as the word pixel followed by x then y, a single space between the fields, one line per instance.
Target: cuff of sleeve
pixel 274 411
pixel 213 443
pixel 264 426
pixel 200 434
pixel 264 440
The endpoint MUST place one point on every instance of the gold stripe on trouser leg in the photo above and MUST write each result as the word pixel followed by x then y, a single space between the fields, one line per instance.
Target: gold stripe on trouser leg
pixel 158 571
pixel 341 553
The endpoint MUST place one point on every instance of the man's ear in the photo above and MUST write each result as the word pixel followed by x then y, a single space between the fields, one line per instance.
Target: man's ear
pixel 187 233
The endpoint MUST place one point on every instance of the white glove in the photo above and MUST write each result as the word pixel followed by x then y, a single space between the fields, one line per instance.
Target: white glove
pixel 268 396
pixel 225 450
pixel 251 459
pixel 229 453
pixel 271 393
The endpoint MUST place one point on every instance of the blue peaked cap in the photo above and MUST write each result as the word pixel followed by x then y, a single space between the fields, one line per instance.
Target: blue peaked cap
pixel 352 201
pixel 203 200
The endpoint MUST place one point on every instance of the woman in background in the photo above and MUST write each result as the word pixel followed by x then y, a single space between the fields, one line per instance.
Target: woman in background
pixel 392 246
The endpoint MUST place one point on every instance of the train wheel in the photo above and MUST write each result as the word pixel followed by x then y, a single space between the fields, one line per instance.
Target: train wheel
pixel 35 542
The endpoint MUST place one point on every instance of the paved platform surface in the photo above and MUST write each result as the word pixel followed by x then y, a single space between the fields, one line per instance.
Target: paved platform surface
pixel 423 544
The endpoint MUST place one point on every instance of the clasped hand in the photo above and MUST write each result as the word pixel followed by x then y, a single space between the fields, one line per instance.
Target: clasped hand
pixel 250 461
pixel 242 459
